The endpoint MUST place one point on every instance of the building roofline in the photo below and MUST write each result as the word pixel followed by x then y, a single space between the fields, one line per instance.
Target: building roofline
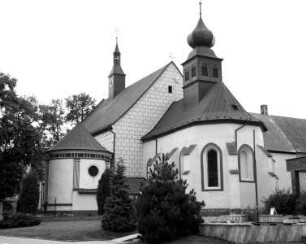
pixel 196 123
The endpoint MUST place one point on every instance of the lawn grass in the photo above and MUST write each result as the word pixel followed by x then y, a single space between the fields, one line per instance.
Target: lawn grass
pixel 80 230
pixel 84 230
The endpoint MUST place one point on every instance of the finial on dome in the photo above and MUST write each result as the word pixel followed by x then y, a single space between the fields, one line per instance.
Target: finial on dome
pixel 201 35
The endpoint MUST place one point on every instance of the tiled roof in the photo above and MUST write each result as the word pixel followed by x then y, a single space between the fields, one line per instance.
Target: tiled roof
pixel 284 134
pixel 78 139
pixel 109 111
pixel 218 105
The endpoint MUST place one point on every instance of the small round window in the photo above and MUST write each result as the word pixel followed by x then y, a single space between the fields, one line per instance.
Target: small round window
pixel 93 170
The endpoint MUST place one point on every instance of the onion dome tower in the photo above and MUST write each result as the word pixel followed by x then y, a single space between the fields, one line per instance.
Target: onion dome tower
pixel 116 77
pixel 202 68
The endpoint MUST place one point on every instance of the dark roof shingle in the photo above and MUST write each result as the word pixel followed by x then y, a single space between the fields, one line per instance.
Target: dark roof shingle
pixel 78 139
pixel 218 105
pixel 109 111
pixel 284 134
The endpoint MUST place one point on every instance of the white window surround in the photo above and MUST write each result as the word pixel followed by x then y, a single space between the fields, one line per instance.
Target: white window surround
pixel 185 162
pixel 246 163
pixel 214 150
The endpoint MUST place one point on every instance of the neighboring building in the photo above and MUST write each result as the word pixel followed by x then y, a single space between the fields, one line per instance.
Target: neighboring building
pixel 233 159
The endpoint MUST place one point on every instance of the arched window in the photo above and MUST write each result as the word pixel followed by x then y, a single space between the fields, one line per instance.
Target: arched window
pixel 215 72
pixel 211 168
pixel 204 69
pixel 193 72
pixel 246 163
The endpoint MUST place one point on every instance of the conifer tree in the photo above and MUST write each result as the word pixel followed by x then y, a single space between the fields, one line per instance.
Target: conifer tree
pixel 29 197
pixel 165 211
pixel 103 190
pixel 118 209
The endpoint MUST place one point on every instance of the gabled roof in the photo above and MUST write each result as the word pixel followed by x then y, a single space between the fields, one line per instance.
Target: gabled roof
pixel 217 106
pixel 284 134
pixel 78 139
pixel 111 110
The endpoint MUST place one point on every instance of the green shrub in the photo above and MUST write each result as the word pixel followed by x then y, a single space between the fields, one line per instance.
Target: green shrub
pixel 165 211
pixel 103 190
pixel 283 201
pixel 29 197
pixel 18 220
pixel 118 209
pixel 301 208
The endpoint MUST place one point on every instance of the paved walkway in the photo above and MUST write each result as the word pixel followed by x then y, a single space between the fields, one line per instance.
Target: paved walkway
pixel 20 240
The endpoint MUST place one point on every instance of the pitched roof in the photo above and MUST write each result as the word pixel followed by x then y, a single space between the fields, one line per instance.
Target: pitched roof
pixel 284 134
pixel 78 139
pixel 109 111
pixel 218 105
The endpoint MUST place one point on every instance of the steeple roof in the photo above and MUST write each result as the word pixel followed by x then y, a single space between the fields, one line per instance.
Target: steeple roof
pixel 78 139
pixel 116 66
pixel 201 36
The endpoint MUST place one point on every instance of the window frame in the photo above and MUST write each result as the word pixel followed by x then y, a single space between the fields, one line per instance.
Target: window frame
pixel 215 72
pixel 204 67
pixel 193 71
pixel 204 175
pixel 242 147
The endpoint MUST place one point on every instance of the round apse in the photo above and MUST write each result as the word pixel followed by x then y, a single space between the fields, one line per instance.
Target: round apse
pixel 93 171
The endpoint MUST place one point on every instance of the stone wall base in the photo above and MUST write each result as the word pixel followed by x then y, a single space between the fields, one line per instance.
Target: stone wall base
pixel 250 233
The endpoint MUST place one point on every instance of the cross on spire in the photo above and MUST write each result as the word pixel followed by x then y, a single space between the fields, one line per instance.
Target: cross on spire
pixel 116 33
pixel 200 5
pixel 171 56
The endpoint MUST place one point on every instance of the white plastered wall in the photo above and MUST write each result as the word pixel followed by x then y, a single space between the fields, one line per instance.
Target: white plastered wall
pixel 235 194
pixel 88 201
pixel 60 183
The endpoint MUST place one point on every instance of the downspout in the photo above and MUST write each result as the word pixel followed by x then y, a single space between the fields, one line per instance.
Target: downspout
pixel 236 135
pixel 255 176
pixel 112 166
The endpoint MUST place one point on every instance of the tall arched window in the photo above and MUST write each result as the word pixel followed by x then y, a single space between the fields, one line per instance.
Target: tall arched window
pixel 246 163
pixel 211 168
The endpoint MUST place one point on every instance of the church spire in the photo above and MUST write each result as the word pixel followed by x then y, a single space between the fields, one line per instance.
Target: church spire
pixel 202 68
pixel 116 76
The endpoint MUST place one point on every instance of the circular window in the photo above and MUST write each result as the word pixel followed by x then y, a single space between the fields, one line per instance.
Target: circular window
pixel 93 170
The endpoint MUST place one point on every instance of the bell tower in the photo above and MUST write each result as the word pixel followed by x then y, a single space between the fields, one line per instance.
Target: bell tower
pixel 116 77
pixel 202 68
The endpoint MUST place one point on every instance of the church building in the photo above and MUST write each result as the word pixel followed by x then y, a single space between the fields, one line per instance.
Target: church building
pixel 230 157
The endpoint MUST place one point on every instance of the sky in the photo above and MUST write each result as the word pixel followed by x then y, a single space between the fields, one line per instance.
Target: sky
pixel 57 48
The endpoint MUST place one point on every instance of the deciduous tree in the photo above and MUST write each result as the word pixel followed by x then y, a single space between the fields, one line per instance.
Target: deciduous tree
pixel 79 106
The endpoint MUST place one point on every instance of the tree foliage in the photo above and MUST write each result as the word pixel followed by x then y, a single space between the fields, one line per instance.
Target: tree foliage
pixel 79 106
pixel 52 119
pixel 118 209
pixel 29 197
pixel 19 136
pixel 103 190
pixel 283 201
pixel 165 211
